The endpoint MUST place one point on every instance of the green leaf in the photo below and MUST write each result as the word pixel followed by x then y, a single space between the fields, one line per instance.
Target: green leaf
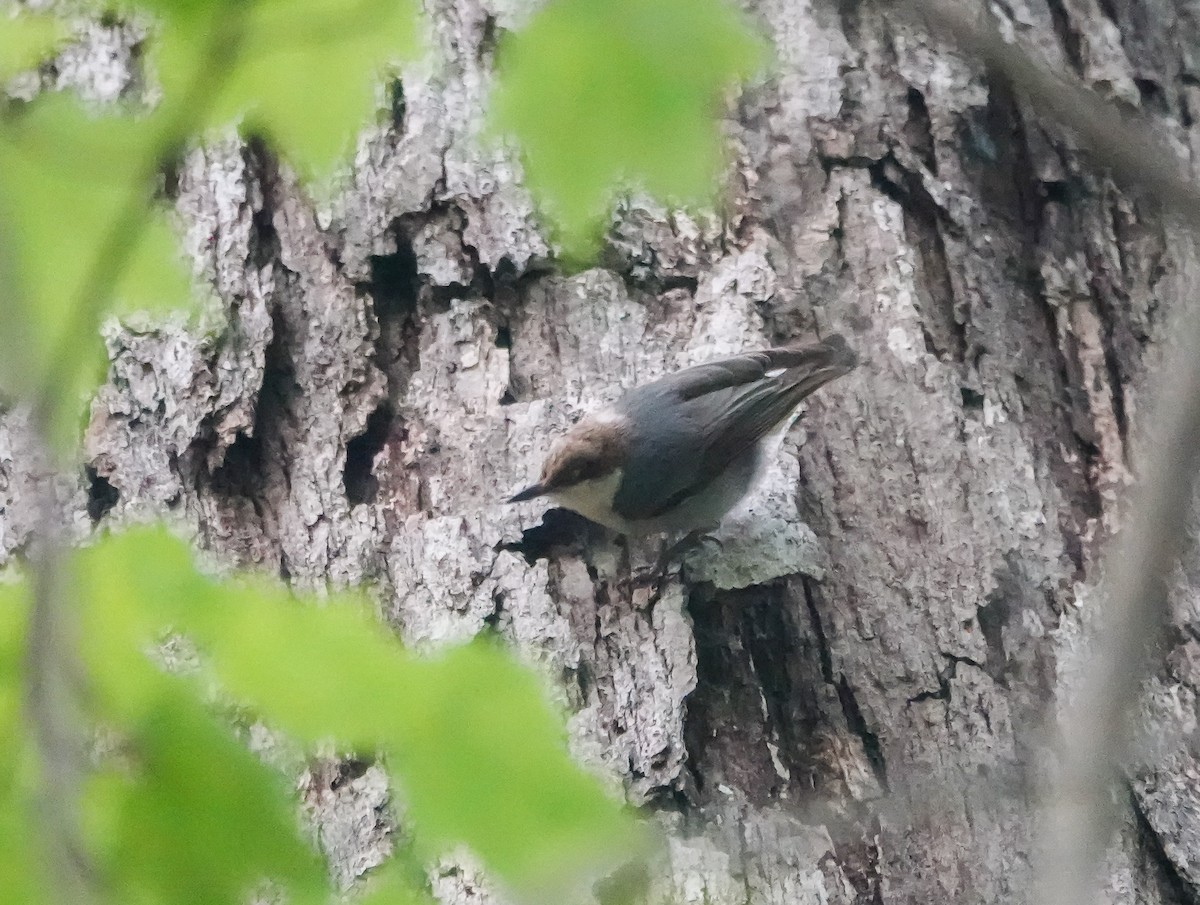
pixel 25 40
pixel 399 882
pixel 601 95
pixel 483 761
pixel 136 585
pixel 14 607
pixel 302 72
pixel 194 817
pixel 19 864
pixel 178 10
pixel 200 820
pixel 81 238
pixel 479 754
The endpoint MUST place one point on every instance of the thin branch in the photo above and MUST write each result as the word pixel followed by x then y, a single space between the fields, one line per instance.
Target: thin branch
pixel 1097 732
pixel 1131 147
pixel 53 665
pixel 52 710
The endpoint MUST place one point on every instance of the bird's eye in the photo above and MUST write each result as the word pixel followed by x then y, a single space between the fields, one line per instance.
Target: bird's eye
pixel 585 470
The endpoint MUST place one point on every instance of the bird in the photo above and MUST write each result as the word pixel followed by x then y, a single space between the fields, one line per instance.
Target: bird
pixel 677 454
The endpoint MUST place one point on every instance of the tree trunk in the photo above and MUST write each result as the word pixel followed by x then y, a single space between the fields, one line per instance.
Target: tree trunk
pixel 852 698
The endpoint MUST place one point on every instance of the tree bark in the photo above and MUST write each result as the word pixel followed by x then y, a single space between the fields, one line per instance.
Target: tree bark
pixel 852 698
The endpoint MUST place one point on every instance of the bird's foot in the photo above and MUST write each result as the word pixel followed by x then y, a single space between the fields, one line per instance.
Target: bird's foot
pixel 656 575
pixel 682 546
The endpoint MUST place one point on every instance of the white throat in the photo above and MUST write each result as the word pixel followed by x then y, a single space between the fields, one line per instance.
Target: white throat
pixel 594 500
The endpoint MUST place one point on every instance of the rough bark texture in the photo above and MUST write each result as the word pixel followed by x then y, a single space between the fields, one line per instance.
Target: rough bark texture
pixel 848 700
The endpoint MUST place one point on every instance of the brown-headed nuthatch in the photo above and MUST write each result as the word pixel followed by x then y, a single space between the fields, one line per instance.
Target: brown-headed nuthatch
pixel 680 452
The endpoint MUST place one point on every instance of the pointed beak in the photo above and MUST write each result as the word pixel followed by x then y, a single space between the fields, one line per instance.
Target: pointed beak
pixel 533 490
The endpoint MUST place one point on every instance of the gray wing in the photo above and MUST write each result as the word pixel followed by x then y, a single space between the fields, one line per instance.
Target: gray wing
pixel 692 425
pixel 749 367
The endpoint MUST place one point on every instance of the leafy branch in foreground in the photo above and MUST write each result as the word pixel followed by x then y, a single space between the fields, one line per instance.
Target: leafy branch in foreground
pixel 176 810
pixel 181 812
pixel 622 93
pixel 83 234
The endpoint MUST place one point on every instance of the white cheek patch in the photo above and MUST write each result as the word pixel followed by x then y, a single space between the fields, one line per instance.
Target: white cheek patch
pixel 593 499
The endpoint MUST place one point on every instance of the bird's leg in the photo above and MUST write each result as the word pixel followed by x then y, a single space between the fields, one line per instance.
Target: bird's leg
pixel 669 552
pixel 676 550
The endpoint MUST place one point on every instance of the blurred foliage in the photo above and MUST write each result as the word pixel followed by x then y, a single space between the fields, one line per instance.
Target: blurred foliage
pixel 17 850
pixel 189 815
pixel 600 95
pixel 66 178
pixel 83 235
pixel 300 72
pixel 622 92
pixel 180 811
pixel 25 41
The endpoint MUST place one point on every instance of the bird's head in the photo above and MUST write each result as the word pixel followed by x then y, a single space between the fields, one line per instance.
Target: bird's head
pixel 589 455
